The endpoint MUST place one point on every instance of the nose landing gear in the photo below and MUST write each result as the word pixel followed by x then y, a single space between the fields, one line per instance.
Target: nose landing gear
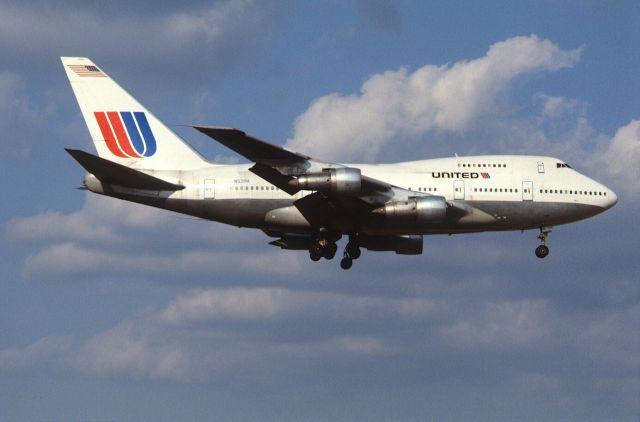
pixel 543 250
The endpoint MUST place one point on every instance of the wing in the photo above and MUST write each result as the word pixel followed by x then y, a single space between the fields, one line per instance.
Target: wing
pixel 292 172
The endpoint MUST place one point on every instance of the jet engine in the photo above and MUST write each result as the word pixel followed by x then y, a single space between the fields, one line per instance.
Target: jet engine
pixel 341 181
pixel 420 210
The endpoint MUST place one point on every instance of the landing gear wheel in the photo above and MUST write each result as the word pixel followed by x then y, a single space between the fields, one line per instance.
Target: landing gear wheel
pixel 317 249
pixel 542 251
pixel 314 256
pixel 346 263
pixel 330 250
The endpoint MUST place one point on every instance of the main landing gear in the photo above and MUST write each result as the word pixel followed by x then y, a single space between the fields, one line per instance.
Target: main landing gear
pixel 322 248
pixel 543 250
pixel 325 247
pixel 351 251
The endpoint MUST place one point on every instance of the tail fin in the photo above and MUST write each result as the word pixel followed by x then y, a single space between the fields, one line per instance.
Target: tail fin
pixel 123 130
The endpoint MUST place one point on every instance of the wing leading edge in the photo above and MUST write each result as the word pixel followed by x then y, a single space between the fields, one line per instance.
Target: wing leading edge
pixel 284 168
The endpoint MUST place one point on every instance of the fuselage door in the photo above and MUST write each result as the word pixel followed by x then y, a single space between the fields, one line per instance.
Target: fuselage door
pixel 540 167
pixel 527 191
pixel 458 189
pixel 209 189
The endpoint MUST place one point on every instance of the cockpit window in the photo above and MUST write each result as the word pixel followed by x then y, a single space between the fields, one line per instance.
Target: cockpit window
pixel 563 165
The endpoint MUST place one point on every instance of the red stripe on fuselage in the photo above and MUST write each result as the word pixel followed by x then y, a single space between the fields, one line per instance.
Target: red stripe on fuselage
pixel 109 139
pixel 121 134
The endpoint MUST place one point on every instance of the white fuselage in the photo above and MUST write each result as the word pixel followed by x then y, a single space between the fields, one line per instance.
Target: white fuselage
pixel 518 192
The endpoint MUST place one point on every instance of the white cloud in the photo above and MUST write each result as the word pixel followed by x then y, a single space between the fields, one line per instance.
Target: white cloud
pixel 554 107
pixel 621 159
pixel 185 341
pixel 48 350
pixel 502 325
pixel 609 338
pixel 17 117
pixel 71 259
pixel 112 237
pixel 433 98
pixel 136 349
pixel 266 303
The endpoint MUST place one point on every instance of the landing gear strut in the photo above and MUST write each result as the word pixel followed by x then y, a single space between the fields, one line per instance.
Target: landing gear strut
pixel 543 250
pixel 351 251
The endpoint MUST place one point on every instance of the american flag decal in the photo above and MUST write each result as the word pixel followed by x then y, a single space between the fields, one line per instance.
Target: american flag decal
pixel 485 175
pixel 89 71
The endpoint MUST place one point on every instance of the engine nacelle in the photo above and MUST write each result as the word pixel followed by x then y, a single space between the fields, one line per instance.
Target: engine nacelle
pixel 402 245
pixel 342 181
pixel 420 210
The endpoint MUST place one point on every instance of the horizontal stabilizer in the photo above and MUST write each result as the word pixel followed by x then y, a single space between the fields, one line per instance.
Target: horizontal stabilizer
pixel 113 173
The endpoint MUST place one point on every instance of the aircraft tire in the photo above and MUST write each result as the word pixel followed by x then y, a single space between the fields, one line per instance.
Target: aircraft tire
pixel 317 249
pixel 314 256
pixel 542 251
pixel 346 263
pixel 330 250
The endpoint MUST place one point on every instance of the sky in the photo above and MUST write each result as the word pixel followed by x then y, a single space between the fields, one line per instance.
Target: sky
pixel 112 311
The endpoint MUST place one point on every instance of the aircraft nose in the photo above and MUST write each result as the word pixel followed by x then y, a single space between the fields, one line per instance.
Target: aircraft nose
pixel 612 199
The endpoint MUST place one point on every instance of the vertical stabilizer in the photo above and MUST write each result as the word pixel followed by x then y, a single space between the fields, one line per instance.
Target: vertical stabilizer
pixel 122 129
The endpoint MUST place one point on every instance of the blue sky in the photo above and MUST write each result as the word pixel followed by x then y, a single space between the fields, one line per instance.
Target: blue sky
pixel 113 311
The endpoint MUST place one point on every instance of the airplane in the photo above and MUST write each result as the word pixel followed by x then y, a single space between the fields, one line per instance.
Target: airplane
pixel 304 203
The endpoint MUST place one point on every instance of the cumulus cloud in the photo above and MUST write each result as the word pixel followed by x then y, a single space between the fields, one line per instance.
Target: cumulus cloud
pixel 17 117
pixel 621 159
pixel 109 237
pixel 265 303
pixel 70 259
pixel 166 344
pixel 49 350
pixel 514 324
pixel 401 103
pixel 206 334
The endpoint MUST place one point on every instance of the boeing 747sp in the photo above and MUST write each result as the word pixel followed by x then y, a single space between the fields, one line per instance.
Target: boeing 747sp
pixel 308 204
